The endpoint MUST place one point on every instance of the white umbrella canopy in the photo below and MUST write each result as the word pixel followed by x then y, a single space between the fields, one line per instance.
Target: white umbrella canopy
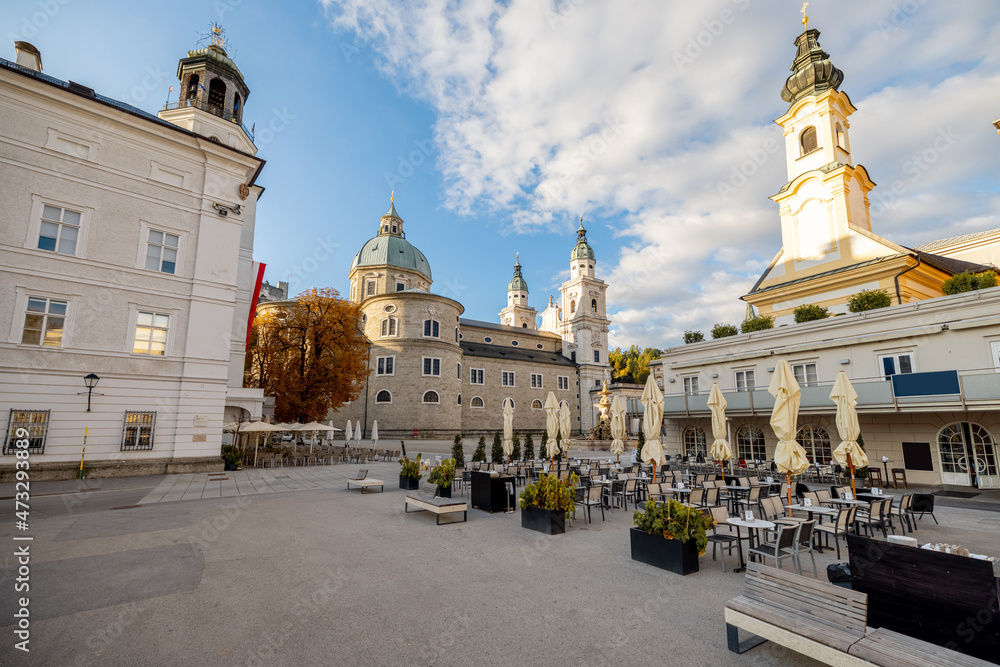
pixel 357 431
pixel 374 434
pixel 551 424
pixel 508 427
pixel 652 417
pixel 617 427
pixel 788 455
pixel 849 453
pixel 564 427
pixel 258 427
pixel 348 433
pixel 721 451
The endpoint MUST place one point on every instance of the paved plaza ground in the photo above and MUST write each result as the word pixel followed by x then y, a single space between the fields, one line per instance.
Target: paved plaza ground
pixel 288 567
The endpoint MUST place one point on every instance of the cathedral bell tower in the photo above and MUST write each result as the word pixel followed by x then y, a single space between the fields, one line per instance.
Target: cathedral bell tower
pixel 518 313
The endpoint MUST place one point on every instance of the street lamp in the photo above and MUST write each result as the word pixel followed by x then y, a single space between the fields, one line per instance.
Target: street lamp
pixel 90 381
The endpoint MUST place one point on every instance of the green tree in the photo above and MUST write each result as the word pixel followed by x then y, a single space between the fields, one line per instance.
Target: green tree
pixel 810 312
pixel 529 448
pixel 497 453
pixel 559 456
pixel 759 323
pixel 480 453
pixel 458 452
pixel 693 337
pixel 632 365
pixel 724 330
pixel 969 282
pixel 515 454
pixel 869 299
pixel 543 451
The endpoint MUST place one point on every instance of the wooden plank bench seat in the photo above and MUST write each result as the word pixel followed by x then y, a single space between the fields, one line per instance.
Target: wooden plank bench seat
pixel 426 500
pixel 367 482
pixel 826 622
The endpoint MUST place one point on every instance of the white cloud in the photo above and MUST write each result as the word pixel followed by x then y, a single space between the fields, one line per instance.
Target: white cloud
pixel 654 113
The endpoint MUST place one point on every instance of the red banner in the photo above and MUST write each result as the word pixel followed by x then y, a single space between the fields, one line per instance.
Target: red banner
pixel 259 269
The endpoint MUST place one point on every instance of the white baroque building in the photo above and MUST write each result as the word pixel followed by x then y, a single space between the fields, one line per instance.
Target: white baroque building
pixel 126 253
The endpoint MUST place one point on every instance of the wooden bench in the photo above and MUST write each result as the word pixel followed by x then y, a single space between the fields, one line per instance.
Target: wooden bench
pixel 368 482
pixel 426 500
pixel 825 622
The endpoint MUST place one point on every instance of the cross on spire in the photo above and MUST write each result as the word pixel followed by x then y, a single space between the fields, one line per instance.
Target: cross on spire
pixel 805 17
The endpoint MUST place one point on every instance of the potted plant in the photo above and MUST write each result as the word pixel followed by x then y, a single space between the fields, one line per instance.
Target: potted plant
pixel 443 475
pixel 544 503
pixel 670 536
pixel 231 457
pixel 409 474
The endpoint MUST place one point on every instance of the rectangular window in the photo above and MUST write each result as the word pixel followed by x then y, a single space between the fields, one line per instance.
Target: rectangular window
pixel 385 366
pixel 151 334
pixel 460 371
pixel 508 378
pixel 744 381
pixel 161 251
pixel 597 356
pixel 44 320
pixel 896 363
pixel 476 376
pixel 572 356
pixel 59 230
pixel 137 432
pixel 805 374
pixel 35 422
pixel 390 327
pixel 431 329
pixel 536 381
pixel 564 382
pixel 432 366
pixel 400 287
pixel 691 385
pixel 370 288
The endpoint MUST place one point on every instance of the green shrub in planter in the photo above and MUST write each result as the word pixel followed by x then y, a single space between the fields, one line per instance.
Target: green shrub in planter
pixel 444 474
pixel 870 299
pixel 480 453
pixel 759 323
pixel 724 330
pixel 550 493
pixel 810 312
pixel 458 452
pixel 529 448
pixel 675 521
pixel 411 469
pixel 230 455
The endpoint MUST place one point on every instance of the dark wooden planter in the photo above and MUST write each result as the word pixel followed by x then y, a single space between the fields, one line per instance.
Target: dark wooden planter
pixel 232 466
pixel 550 522
pixel 444 491
pixel 409 483
pixel 673 555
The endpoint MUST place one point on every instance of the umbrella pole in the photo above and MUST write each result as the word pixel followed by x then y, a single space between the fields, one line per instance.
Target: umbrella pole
pixel 850 464
pixel 788 483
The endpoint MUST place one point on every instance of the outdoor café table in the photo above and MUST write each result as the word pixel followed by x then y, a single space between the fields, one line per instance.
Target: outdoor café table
pixel 844 501
pixel 751 526
pixel 812 509
pixel 872 496
pixel 674 491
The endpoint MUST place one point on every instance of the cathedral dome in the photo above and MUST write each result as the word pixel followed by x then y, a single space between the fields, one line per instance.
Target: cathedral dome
pixel 392 251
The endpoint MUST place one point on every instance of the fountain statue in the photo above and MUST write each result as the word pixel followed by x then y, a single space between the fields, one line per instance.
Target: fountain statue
pixel 603 429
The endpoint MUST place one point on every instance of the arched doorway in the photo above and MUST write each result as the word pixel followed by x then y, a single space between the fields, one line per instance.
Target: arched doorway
pixel 968 453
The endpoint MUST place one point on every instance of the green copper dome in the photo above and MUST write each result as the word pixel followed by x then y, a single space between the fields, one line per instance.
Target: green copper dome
pixel 392 251
pixel 812 71
pixel 517 282
pixel 582 249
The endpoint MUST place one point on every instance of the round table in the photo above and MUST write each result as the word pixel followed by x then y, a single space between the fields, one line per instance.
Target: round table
pixel 756 524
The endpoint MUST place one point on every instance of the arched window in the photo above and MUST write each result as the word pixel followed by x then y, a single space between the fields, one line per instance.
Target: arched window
pixel 217 95
pixel 432 329
pixel 431 397
pixel 572 306
pixel 536 405
pixel 808 141
pixel 694 441
pixel 192 91
pixel 383 397
pixel 841 137
pixel 459 399
pixel 955 442
pixel 524 326
pixel 236 107
pixel 816 442
pixel 364 320
pixel 390 327
pixel 593 305
pixel 750 444
pixel 476 402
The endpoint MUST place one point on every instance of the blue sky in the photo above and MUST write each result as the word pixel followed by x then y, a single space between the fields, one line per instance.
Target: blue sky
pixel 498 124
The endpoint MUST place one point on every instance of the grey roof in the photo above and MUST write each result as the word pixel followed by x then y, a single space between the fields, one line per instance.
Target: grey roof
pixel 392 251
pixel 216 53
pixel 391 213
pixel 513 331
pixel 513 354
pixel 950 264
pixel 943 243
pixel 831 272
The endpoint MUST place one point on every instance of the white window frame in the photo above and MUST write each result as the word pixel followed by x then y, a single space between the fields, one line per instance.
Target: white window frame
pixel 435 363
pixel 145 227
pixel 743 372
pixel 432 329
pixel 382 364
pixel 389 327
pixel 563 381
pixel 539 402
pixel 460 371
pixel 423 398
pixel 21 295
pixel 38 203
pixel 896 356
pixel 138 427
pixel 373 283
pixel 45 315
pixel 472 403
pixel 804 365
pixel 995 351
pixel 507 379
pixel 133 321
pixel 536 377
pixel 691 385
pixel 378 402
pixel 477 376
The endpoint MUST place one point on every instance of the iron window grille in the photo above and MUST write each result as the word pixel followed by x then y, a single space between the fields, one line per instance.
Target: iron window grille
pixel 137 431
pixel 35 422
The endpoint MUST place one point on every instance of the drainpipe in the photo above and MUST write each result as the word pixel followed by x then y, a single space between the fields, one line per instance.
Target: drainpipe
pixel 899 293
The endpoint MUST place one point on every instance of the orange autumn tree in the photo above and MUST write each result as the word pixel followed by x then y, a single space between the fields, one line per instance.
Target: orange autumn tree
pixel 310 356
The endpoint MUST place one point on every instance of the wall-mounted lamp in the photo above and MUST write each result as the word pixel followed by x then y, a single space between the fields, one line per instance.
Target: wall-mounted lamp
pixel 224 209
pixel 672 380
pixel 714 375
pixel 90 381
pixel 771 369
pixel 844 362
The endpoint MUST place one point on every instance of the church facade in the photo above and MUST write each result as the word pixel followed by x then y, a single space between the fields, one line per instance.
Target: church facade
pixel 435 373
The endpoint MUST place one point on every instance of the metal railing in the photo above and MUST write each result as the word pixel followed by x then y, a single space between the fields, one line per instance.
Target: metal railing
pixel 205 105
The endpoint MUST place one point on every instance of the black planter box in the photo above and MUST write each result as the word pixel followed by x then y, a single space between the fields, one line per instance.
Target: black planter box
pixel 550 522
pixel 444 491
pixel 674 555
pixel 232 466
pixel 409 483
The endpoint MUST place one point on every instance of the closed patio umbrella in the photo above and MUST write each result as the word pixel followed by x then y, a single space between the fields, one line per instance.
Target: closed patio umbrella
pixel 789 457
pixel 564 428
pixel 357 431
pixel 552 425
pixel 617 428
pixel 508 428
pixel 374 434
pixel 348 434
pixel 652 417
pixel 721 451
pixel 849 453
pixel 258 428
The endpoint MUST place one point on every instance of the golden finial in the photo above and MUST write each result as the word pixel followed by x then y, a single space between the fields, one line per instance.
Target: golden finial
pixel 217 38
pixel 392 197
pixel 517 256
pixel 805 17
